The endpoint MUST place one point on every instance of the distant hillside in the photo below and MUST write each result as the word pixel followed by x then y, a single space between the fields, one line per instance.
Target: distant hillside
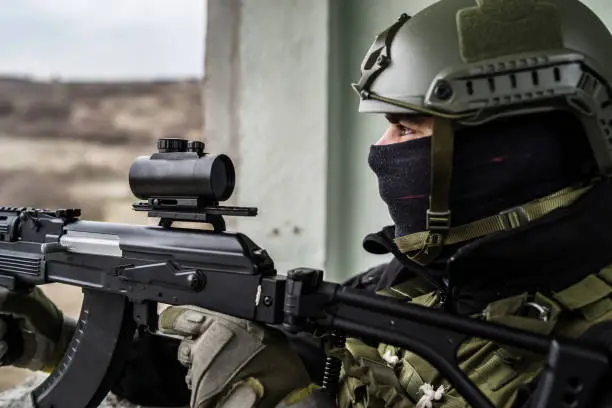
pixel 76 141
pixel 106 113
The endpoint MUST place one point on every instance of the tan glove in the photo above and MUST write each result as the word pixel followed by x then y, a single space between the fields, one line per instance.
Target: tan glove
pixel 45 331
pixel 233 363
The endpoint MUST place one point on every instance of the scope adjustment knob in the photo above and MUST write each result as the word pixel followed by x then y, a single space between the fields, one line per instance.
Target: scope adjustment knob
pixel 196 146
pixel 172 145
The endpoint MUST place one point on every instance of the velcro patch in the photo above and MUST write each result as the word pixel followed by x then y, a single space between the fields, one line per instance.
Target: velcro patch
pixel 587 291
pixel 497 28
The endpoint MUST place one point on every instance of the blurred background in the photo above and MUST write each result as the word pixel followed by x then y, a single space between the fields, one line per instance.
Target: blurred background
pixel 86 86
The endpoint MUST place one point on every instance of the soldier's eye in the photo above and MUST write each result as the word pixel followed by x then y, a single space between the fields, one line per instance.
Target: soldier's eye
pixel 405 131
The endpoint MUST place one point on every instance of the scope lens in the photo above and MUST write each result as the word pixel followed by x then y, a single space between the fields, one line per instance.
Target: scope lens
pixel 222 177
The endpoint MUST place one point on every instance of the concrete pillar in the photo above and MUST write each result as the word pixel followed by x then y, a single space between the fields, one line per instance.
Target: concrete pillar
pixel 221 82
pixel 266 104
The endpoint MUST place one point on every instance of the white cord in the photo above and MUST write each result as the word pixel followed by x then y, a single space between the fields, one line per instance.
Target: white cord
pixel 390 358
pixel 430 395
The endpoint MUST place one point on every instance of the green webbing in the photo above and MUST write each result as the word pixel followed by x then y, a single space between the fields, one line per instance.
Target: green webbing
pixel 501 222
pixel 587 291
pixel 408 289
pixel 438 214
pixel 498 28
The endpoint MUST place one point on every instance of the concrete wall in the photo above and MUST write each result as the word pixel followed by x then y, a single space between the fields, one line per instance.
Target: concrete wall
pixel 278 100
pixel 265 102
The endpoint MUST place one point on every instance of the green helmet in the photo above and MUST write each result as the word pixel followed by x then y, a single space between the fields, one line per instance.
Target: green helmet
pixel 472 61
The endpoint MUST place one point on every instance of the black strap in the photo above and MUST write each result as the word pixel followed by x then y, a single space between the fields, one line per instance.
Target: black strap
pixel 438 215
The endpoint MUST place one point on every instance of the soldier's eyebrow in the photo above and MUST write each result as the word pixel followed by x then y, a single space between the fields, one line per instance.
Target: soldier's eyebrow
pixel 397 118
pixel 394 118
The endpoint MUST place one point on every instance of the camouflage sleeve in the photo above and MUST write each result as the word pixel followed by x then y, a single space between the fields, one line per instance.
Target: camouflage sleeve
pixel 45 331
pixel 369 380
pixel 308 397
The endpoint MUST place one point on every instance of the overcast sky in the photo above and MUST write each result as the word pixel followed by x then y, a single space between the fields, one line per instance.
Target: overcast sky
pixel 102 39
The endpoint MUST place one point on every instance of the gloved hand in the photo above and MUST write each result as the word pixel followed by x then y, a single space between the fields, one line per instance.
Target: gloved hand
pixel 233 363
pixel 43 329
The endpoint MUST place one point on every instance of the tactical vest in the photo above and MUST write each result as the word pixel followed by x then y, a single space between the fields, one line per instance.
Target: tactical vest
pixel 389 377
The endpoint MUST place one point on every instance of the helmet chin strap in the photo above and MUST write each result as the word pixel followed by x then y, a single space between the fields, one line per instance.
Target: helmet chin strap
pixel 438 221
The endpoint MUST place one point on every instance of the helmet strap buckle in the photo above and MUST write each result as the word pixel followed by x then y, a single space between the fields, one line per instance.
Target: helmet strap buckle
pixel 438 221
pixel 513 218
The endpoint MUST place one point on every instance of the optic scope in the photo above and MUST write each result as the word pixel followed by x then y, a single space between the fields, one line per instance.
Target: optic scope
pixel 183 183
pixel 182 169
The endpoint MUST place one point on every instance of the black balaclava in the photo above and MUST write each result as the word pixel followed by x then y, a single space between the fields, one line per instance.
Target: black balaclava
pixel 496 166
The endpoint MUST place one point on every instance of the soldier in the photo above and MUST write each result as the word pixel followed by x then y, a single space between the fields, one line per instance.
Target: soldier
pixel 495 169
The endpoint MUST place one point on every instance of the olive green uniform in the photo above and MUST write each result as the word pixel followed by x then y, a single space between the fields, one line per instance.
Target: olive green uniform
pixel 373 379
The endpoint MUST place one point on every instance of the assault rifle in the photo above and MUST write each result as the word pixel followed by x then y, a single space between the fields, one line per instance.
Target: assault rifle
pixel 126 270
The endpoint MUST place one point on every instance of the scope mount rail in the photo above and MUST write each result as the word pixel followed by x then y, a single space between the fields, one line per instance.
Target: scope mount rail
pixel 171 209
